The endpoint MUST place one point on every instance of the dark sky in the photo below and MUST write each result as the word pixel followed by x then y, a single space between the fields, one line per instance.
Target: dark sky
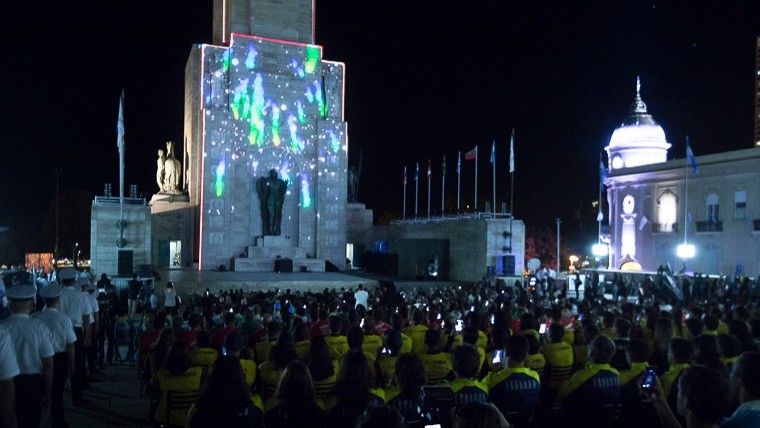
pixel 423 80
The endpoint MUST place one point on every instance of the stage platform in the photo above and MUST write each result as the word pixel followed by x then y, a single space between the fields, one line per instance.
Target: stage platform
pixel 189 281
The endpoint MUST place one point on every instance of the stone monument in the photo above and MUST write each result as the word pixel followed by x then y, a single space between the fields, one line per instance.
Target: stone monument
pixel 261 99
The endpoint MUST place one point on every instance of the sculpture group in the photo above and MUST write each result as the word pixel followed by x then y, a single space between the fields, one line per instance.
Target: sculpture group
pixel 168 170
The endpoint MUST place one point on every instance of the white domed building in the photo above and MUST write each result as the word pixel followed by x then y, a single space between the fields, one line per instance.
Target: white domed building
pixel 651 198
pixel 639 140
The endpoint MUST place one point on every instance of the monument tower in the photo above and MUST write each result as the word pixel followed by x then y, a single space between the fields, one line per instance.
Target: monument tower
pixel 262 99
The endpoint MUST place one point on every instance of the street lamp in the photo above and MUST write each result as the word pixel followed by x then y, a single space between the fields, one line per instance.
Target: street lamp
pixel 685 252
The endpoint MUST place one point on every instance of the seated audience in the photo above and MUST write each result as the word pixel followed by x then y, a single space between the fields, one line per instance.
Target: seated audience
pixel 294 405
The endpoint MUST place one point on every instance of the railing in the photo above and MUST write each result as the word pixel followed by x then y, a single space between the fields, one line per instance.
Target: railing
pixel 709 226
pixel 664 227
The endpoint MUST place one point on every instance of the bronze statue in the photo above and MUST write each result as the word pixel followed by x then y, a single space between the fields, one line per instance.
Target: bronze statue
pixel 271 192
pixel 353 180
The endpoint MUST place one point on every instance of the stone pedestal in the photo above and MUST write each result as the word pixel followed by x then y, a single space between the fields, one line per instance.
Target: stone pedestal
pixel 267 249
pixel 171 218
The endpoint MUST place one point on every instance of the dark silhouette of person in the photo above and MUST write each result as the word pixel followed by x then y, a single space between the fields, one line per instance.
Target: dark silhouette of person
pixel 271 192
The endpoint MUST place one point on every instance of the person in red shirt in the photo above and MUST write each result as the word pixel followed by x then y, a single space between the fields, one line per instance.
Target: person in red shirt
pixel 229 325
pixel 188 337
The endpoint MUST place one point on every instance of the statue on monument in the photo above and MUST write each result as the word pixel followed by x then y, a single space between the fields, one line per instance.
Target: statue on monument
pixel 160 170
pixel 167 173
pixel 353 180
pixel 271 192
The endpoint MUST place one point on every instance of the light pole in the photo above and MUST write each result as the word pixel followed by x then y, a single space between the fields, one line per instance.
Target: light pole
pixel 57 172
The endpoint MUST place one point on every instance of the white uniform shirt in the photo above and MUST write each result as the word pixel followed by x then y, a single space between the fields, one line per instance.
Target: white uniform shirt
pixel 171 298
pixel 75 305
pixel 32 341
pixel 93 301
pixel 60 327
pixel 8 363
pixel 361 297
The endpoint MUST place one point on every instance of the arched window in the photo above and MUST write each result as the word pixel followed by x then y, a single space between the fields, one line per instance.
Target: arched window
pixel 667 212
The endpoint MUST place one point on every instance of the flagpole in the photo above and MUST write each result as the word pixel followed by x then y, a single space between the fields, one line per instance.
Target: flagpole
pixel 493 175
pixel 416 189
pixel 459 178
pixel 476 179
pixel 121 224
pixel 430 181
pixel 403 215
pixel 511 185
pixel 443 185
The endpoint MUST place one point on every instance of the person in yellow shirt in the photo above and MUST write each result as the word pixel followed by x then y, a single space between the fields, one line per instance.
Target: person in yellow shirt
pixel 559 361
pixel 234 343
pixel 535 359
pixel 335 341
pixel 634 408
pixel 437 364
pixel 608 323
pixel 397 323
pixel 372 343
pixel 203 355
pixel 176 375
pixel 417 331
pixel 387 360
pixel 588 391
pixel 680 353
pixel 580 350
pixel 730 348
pixel 324 370
pixel 516 388
pixel 466 364
pixel 404 392
pixel 270 371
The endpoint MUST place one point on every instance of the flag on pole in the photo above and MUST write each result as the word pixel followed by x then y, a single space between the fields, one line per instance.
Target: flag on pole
pixel 493 152
pixel 512 152
pixel 472 154
pixel 430 170
pixel 417 172
pixel 602 174
pixel 120 126
pixel 459 162
pixel 443 167
pixel 404 174
pixel 690 156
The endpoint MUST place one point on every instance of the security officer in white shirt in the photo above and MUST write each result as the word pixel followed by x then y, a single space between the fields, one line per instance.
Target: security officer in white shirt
pixel 63 345
pixel 32 341
pixel 8 370
pixel 88 289
pixel 75 305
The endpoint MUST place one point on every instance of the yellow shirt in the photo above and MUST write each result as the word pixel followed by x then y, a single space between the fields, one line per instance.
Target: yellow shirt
pixel 249 371
pixel 301 349
pixel 324 387
pixel 436 366
pixel 270 378
pixel 406 344
pixel 188 381
pixel 535 362
pixel 670 376
pixel 387 366
pixel 338 346
pixel 262 351
pixel 203 357
pixel 580 377
pixel 372 344
pixel 559 364
pixel 630 374
pixel 417 334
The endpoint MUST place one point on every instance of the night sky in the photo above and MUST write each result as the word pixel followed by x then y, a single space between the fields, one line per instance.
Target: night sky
pixel 423 80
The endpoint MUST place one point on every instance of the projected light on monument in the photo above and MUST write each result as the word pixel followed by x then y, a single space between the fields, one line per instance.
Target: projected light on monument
pixel 219 181
pixel 271 105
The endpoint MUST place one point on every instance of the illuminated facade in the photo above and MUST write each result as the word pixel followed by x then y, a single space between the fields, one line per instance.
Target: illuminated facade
pixel 263 98
pixel 651 201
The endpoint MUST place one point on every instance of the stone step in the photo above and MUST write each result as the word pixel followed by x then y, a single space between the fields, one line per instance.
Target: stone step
pixel 249 264
pixel 274 252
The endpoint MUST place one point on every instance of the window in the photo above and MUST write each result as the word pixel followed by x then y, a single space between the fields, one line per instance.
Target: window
pixel 740 204
pixel 666 212
pixel 713 208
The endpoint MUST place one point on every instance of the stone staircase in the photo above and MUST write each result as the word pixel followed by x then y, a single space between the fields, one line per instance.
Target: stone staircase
pixel 265 252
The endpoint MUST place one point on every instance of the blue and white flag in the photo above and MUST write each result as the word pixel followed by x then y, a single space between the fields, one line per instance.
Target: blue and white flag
pixel 690 156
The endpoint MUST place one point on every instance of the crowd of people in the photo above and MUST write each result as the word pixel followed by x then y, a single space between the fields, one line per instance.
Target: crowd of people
pixel 482 354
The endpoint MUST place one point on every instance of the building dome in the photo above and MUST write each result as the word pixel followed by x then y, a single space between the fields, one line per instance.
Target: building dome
pixel 639 140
